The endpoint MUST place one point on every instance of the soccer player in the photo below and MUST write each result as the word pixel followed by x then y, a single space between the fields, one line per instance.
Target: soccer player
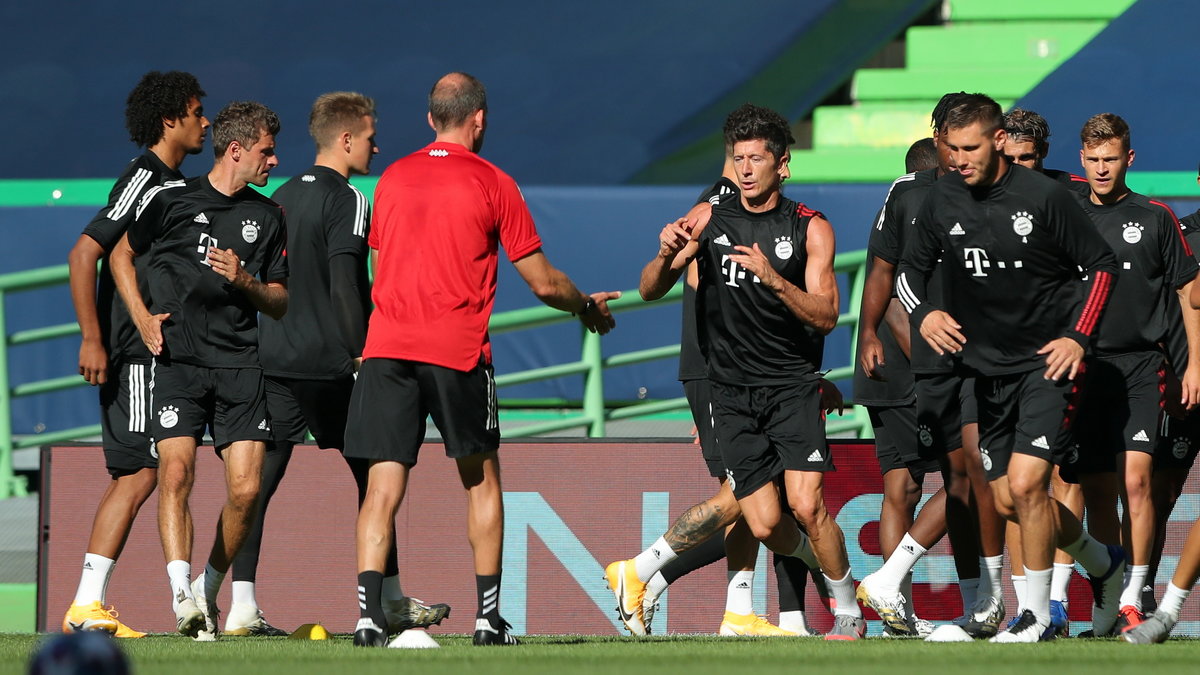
pixel 883 382
pixel 691 542
pixel 1027 142
pixel 762 326
pixel 946 427
pixel 427 349
pixel 163 114
pixel 201 325
pixel 1018 314
pixel 1119 416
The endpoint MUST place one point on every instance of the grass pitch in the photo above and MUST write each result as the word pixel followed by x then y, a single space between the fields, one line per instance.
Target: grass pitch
pixel 589 654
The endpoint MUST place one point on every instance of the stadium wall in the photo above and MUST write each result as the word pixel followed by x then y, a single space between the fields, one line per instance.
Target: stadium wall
pixel 570 508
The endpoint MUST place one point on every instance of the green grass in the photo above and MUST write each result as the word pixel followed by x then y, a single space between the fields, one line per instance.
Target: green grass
pixel 694 655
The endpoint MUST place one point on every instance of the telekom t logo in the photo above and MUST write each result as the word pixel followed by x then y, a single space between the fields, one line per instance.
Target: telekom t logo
pixel 977 261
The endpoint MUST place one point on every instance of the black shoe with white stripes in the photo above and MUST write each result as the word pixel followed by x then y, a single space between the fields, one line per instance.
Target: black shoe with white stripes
pixel 368 634
pixel 487 635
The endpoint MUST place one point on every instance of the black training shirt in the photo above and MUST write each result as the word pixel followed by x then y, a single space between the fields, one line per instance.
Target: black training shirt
pixel 1154 261
pixel 748 335
pixel 118 334
pixel 1012 255
pixel 691 359
pixel 212 324
pixel 326 217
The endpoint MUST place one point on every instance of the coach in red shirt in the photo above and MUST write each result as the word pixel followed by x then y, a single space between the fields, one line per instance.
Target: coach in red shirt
pixel 440 215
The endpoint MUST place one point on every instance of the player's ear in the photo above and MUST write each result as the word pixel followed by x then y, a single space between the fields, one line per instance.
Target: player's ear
pixel 1000 138
pixel 429 118
pixel 1084 164
pixel 346 136
pixel 1131 155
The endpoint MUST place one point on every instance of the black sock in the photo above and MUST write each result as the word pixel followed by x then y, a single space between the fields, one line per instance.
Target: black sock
pixel 703 554
pixel 792 576
pixel 488 589
pixel 370 588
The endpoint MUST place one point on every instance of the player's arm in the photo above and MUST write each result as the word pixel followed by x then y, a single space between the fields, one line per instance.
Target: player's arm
pixel 1083 245
pixel 818 305
pixel 555 289
pixel 270 297
pixel 347 288
pixel 81 262
pixel 125 277
pixel 677 247
pixel 1190 381
pixel 876 298
pixel 897 321
pixel 921 251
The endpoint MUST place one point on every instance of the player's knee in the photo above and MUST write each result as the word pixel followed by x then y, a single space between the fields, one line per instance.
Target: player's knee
pixel 175 478
pixel 243 494
pixel 808 511
pixel 1137 486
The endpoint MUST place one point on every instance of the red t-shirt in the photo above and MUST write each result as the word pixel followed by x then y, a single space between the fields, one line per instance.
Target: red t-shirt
pixel 439 215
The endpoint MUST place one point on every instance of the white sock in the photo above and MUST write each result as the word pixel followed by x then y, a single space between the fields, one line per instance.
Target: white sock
pixel 805 552
pixel 180 574
pixel 898 565
pixel 243 593
pixel 1131 594
pixel 93 581
pixel 1061 581
pixel 656 586
pixel 653 559
pixel 842 591
pixel 1090 553
pixel 739 594
pixel 1172 601
pixel 1037 593
pixel 969 590
pixel 391 589
pixel 991 570
pixel 212 582
pixel 1019 584
pixel 793 620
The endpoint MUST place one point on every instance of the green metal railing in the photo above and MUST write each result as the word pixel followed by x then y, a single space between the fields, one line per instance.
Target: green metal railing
pixel 592 409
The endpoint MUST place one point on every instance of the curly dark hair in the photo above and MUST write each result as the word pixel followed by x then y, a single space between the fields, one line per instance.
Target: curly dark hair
pixel 751 122
pixel 158 96
pixel 938 119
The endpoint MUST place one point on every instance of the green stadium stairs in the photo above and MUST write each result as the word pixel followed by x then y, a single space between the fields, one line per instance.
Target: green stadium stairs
pixel 1002 48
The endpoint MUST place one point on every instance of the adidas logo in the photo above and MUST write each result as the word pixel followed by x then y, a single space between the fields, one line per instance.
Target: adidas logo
pixel 263 426
pixel 722 240
pixel 742 585
pixel 87 565
pixel 202 219
pixel 180 596
pixel 908 549
pixel 1041 442
pixel 957 230
pixel 815 456
pixel 657 554
pixel 1141 436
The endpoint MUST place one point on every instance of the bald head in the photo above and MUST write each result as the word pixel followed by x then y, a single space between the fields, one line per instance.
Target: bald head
pixel 454 98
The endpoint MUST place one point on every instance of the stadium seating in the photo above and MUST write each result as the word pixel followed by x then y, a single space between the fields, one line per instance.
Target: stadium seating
pixel 1005 49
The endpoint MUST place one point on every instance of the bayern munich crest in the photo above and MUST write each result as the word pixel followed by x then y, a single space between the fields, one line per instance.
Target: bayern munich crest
pixel 250 231
pixel 783 248
pixel 1132 233
pixel 1022 223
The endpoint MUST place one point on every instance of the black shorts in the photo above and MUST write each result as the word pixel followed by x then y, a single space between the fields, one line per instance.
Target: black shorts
pixel 320 406
pixel 1120 410
pixel 229 402
pixel 1178 441
pixel 763 431
pixel 699 397
pixel 1026 414
pixel 125 407
pixel 945 404
pixel 392 398
pixel 896 441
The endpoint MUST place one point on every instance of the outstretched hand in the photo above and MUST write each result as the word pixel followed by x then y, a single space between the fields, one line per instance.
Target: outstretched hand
pixel 942 333
pixel 600 319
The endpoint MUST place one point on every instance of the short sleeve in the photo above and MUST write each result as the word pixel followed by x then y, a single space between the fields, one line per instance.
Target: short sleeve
pixel 347 223
pixel 276 265
pixel 518 235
